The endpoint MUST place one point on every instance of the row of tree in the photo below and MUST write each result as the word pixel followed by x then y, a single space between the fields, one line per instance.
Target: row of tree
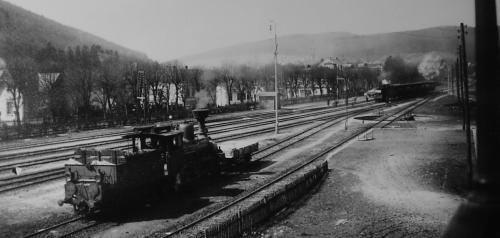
pixel 88 82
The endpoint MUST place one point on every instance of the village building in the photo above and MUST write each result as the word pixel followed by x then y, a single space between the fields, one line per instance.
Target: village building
pixel 7 106
pixel 221 96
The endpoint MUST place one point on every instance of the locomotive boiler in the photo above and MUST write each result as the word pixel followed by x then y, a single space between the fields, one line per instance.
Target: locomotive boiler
pixel 158 160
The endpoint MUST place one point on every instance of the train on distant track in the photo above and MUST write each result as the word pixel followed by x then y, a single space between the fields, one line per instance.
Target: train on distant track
pixel 392 92
pixel 159 159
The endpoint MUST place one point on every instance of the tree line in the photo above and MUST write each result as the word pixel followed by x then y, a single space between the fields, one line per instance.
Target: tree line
pixel 85 83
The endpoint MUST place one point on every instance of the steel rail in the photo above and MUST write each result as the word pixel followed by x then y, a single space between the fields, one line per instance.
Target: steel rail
pixel 283 126
pixel 14 156
pixel 69 151
pixel 26 145
pixel 283 119
pixel 41 231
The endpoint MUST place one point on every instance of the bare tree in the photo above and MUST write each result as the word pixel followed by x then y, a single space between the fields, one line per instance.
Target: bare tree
pixel 107 82
pixel 23 74
pixel 244 82
pixel 174 73
pixel 209 81
pixel 165 82
pixel 158 83
pixel 293 74
pixel 227 75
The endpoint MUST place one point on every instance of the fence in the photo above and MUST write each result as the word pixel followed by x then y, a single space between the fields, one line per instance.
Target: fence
pixel 316 98
pixel 252 213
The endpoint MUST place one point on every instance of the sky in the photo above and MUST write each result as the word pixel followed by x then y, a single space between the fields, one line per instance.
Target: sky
pixel 168 29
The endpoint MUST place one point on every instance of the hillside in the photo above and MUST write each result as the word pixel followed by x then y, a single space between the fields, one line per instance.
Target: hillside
pixel 411 45
pixel 22 32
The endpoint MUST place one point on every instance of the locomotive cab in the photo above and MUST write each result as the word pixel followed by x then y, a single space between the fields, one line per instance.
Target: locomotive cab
pixel 169 144
pixel 164 142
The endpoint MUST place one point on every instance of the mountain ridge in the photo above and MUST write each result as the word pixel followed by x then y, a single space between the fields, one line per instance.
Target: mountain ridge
pixel 21 27
pixel 309 48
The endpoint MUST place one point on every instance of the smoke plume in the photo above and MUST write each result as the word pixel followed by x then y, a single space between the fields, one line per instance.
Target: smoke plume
pixel 432 66
pixel 202 99
pixel 385 77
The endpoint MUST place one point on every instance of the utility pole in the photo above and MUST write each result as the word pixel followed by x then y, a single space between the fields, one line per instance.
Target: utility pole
pixel 346 102
pixel 337 79
pixel 450 88
pixel 457 80
pixel 461 80
pixel 466 98
pixel 452 76
pixel 479 215
pixel 276 98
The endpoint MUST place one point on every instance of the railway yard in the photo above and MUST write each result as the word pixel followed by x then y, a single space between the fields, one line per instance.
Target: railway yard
pixel 251 119
pixel 285 167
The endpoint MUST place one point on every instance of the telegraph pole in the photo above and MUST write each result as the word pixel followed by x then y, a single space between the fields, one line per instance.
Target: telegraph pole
pixel 457 80
pixel 276 124
pixel 452 77
pixel 461 80
pixel 336 77
pixel 346 102
pixel 466 98
pixel 450 82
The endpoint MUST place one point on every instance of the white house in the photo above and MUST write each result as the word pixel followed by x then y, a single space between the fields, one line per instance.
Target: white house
pixel 7 108
pixel 222 100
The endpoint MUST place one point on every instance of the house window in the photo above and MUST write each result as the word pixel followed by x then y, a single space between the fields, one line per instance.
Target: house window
pixel 10 107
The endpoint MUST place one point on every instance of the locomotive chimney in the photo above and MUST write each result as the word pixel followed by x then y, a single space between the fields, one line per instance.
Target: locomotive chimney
pixel 201 114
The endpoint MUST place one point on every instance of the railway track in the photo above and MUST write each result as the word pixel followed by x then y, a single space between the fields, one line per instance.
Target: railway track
pixel 270 115
pixel 217 122
pixel 30 179
pixel 23 180
pixel 259 155
pixel 60 149
pixel 387 119
pixel 288 125
pixel 211 123
pixel 26 145
pixel 284 118
pixel 43 156
pixel 79 221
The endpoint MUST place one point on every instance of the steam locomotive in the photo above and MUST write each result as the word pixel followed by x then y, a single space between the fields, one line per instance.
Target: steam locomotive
pixel 159 159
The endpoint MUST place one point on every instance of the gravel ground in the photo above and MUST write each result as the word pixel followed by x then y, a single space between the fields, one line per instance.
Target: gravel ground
pixel 405 183
pixel 32 208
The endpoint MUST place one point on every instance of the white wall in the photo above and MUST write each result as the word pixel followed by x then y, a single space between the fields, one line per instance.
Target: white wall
pixel 221 96
pixel 172 95
pixel 5 97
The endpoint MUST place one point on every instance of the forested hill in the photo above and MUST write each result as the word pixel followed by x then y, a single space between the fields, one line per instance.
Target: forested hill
pixel 24 32
pixel 410 45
